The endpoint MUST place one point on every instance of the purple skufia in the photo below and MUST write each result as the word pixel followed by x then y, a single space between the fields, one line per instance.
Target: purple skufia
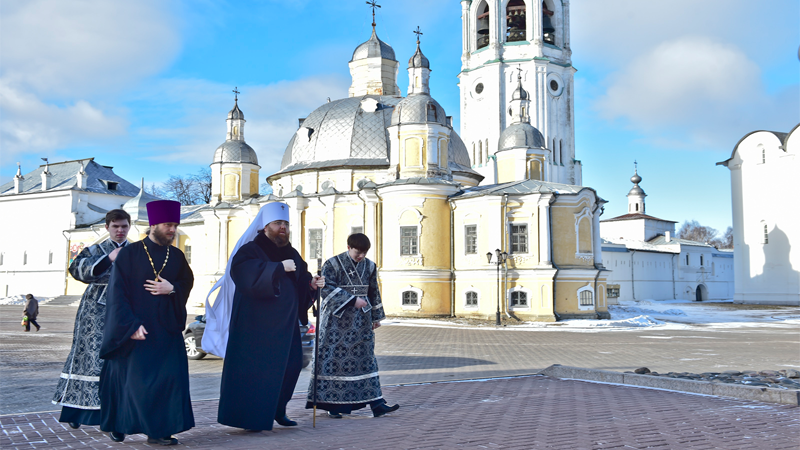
pixel 163 211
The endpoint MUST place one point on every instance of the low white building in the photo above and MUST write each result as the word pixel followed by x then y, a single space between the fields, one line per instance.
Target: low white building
pixel 39 208
pixel 646 262
pixel 766 222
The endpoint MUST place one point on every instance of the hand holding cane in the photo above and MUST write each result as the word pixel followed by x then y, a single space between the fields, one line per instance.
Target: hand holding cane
pixel 316 346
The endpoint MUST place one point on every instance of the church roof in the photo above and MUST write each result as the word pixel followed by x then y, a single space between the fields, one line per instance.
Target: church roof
pixel 521 134
pixel 523 187
pixel 635 216
pixel 236 113
pixel 418 108
pixel 100 179
pixel 237 151
pixel 782 137
pixel 137 206
pixel 373 48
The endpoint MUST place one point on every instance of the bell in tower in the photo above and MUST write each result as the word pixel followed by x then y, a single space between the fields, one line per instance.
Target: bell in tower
pixel 548 30
pixel 483 25
pixel 515 21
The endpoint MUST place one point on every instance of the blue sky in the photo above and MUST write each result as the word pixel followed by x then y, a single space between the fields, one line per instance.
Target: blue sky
pixel 145 86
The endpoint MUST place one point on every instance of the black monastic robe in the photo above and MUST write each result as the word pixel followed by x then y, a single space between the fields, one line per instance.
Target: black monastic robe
pixel 346 368
pixel 263 358
pixel 144 385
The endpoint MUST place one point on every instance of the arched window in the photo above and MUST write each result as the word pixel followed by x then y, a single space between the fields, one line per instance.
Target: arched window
pixel 586 298
pixel 637 207
pixel 410 298
pixel 482 25
pixel 474 160
pixel 763 156
pixel 519 299
pixel 480 152
pixel 701 260
pixel 24 258
pixel 548 29
pixel 235 130
pixel 515 21
pixel 487 150
pixel 432 113
pixel 687 259
pixel 766 235
pixel 560 151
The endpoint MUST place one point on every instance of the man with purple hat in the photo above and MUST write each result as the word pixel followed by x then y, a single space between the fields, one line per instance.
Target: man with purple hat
pixel 144 383
pixel 253 323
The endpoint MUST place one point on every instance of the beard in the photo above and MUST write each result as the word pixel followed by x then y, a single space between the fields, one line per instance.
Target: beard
pixel 161 237
pixel 281 240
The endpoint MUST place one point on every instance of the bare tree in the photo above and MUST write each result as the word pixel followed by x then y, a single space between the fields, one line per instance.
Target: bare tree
pixel 202 180
pixel 182 189
pixel 265 189
pixel 693 231
pixel 155 191
pixel 727 239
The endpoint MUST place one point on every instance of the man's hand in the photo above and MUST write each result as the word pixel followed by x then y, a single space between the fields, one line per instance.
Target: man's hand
pixel 360 303
pixel 288 265
pixel 139 335
pixel 317 282
pixel 162 287
pixel 113 255
pixel 376 325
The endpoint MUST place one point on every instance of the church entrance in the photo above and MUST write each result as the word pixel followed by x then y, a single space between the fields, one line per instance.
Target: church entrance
pixel 701 293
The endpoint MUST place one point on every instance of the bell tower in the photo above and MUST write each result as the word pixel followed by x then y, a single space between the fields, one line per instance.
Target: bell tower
pixel 498 38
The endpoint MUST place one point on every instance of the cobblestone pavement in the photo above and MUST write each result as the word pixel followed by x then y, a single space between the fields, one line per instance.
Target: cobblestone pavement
pixel 30 363
pixel 533 412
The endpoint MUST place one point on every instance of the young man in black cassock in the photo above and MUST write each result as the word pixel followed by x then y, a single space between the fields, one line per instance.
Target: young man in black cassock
pixel 345 366
pixel 263 355
pixel 144 383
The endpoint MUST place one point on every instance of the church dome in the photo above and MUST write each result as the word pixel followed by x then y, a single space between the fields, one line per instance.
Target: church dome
pixel 521 134
pixel 373 48
pixel 235 152
pixel 419 108
pixel 353 132
pixel 418 60
pixel 236 113
pixel 519 93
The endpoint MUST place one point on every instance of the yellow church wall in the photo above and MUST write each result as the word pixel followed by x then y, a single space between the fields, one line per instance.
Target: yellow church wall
pixel 506 169
pixel 565 244
pixel 236 228
pixel 254 182
pixel 231 179
pixel 435 299
pixel 524 213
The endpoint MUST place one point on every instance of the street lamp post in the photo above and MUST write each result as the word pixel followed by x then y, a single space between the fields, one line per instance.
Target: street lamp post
pixel 500 258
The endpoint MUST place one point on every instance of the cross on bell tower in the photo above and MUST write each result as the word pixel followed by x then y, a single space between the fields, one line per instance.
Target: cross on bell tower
pixel 374 5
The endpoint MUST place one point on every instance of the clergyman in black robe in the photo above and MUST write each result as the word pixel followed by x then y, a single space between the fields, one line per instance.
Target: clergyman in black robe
pixel 144 383
pixel 78 386
pixel 345 368
pixel 263 356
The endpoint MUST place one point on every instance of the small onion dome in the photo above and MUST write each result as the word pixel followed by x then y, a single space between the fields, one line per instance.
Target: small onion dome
pixel 373 48
pixel 236 113
pixel 522 135
pixel 520 93
pixel 235 152
pixel 636 179
pixel 418 60
pixel 418 108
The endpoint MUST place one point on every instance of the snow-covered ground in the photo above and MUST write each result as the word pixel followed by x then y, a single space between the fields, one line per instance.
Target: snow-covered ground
pixel 671 314
pixel 20 300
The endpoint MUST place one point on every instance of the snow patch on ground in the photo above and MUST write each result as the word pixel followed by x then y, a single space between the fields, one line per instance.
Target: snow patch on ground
pixel 20 300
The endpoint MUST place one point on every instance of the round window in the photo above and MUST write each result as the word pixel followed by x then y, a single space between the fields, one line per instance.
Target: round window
pixel 554 85
pixel 479 88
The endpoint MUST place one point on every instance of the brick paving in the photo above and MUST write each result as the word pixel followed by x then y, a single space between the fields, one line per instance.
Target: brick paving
pixel 534 412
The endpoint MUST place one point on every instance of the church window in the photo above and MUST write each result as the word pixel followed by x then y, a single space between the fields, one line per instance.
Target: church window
pixel 560 151
pixel 432 116
pixel 187 252
pixel 355 230
pixel 763 156
pixel 315 243
pixel 613 292
pixel 548 30
pixel 519 299
pixel 408 241
pixel 471 239
pixel 519 238
pixel 515 21
pixel 637 207
pixel 701 260
pixel 474 161
pixel 479 88
pixel 471 299
pixel 535 170
pixel 480 152
pixel 523 113
pixel 235 130
pixel 766 235
pixel 50 257
pixel 410 298
pixel 24 258
pixel 487 150
pixel 482 25
pixel 416 82
pixel 687 259
pixel 586 298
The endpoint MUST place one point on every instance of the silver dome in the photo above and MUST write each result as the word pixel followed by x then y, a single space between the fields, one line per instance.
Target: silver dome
pixel 418 60
pixel 236 113
pixel 235 152
pixel 373 48
pixel 342 133
pixel 519 93
pixel 521 134
pixel 419 108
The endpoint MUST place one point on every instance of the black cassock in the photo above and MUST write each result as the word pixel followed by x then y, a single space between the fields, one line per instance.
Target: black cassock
pixel 144 385
pixel 263 358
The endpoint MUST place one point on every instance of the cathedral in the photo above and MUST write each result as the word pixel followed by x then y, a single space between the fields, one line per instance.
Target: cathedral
pixel 487 222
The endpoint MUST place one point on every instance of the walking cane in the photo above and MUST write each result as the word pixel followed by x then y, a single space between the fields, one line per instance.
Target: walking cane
pixel 316 346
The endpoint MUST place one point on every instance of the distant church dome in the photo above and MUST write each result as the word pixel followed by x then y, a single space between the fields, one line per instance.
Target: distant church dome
pixel 236 113
pixel 352 131
pixel 521 134
pixel 419 108
pixel 235 152
pixel 519 93
pixel 373 48
pixel 418 60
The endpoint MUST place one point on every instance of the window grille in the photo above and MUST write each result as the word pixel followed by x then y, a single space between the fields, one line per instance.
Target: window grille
pixel 612 292
pixel 354 230
pixel 408 241
pixel 315 243
pixel 766 234
pixel 472 298
pixel 586 298
pixel 410 298
pixel 519 238
pixel 187 252
pixel 471 239
pixel 519 299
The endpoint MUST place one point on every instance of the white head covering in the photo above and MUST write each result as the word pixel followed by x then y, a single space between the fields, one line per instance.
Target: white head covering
pixel 218 317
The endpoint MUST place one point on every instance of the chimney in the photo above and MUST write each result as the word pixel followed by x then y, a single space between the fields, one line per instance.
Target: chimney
pixel 18 180
pixel 46 175
pixel 668 236
pixel 82 177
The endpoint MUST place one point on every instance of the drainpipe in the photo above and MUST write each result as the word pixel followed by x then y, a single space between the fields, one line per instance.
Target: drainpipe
pixel 633 282
pixel 452 260
pixel 552 257
pixel 66 272
pixel 674 293
pixel 504 246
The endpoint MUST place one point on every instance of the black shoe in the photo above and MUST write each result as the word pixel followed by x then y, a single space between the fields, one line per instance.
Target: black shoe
pixel 116 437
pixel 334 415
pixel 383 409
pixel 169 440
pixel 38 327
pixel 250 430
pixel 74 425
pixel 285 421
